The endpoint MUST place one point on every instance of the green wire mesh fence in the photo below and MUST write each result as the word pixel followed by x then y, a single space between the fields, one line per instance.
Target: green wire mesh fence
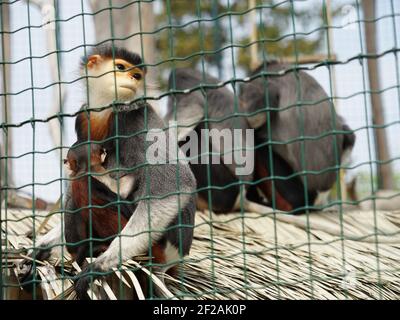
pixel 286 114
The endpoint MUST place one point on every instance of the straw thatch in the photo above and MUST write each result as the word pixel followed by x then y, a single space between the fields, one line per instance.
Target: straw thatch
pixel 326 255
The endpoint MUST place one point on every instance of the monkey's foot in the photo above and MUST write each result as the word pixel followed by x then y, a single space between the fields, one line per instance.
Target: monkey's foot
pixel 83 279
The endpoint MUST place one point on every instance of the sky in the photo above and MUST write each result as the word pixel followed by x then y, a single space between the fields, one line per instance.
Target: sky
pixel 43 168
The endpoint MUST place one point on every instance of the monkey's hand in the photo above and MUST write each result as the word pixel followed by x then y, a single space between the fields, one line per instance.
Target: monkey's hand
pixel 83 279
pixel 26 271
pixel 25 274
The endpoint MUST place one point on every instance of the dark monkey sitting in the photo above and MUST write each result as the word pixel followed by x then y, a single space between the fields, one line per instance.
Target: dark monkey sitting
pixel 162 216
pixel 314 117
pixel 211 108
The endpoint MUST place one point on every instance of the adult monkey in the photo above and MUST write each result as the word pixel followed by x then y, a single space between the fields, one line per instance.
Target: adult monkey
pixel 164 206
pixel 200 102
pixel 329 140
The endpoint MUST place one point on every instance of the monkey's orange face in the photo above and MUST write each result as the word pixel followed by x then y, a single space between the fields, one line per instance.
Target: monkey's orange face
pixel 113 80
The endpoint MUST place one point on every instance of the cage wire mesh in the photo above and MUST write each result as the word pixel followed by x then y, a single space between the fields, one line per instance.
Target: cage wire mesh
pixel 344 247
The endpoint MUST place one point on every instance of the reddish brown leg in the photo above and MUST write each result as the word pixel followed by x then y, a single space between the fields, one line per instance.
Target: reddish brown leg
pixel 266 188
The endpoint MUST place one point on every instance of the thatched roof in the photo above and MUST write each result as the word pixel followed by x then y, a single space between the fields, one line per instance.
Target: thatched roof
pixel 253 256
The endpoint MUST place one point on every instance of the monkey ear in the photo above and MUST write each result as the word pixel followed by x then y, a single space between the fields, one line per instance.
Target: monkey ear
pixel 93 60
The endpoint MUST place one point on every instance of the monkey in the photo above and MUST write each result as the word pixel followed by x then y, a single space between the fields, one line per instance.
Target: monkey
pixel 105 220
pixel 276 97
pixel 162 218
pixel 190 109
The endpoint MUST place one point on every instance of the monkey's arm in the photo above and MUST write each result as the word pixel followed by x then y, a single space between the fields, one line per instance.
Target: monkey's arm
pixel 138 234
pixel 52 241
pixel 45 246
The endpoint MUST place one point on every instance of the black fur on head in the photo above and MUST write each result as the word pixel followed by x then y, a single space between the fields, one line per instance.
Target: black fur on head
pixel 108 51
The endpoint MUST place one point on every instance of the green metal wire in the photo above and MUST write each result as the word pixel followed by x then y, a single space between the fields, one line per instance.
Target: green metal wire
pixel 200 20
pixel 60 119
pixel 302 146
pixel 206 126
pixel 237 125
pixel 88 153
pixel 396 57
pixel 4 175
pixel 369 151
pixel 181 274
pixel 269 144
pixel 334 142
pixel 117 149
pixel 33 147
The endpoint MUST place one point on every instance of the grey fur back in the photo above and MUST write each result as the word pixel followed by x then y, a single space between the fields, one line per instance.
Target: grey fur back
pixel 216 105
pixel 303 110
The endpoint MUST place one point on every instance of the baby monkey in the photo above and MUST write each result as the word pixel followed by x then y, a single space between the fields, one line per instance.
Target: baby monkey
pixel 105 220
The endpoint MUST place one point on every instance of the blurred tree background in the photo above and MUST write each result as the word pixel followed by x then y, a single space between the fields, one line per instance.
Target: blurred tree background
pixel 204 26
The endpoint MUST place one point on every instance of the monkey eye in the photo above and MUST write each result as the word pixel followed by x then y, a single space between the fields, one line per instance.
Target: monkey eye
pixel 120 66
pixel 137 76
pixel 65 161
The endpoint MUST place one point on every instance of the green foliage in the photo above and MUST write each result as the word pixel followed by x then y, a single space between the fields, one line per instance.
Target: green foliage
pixel 205 26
